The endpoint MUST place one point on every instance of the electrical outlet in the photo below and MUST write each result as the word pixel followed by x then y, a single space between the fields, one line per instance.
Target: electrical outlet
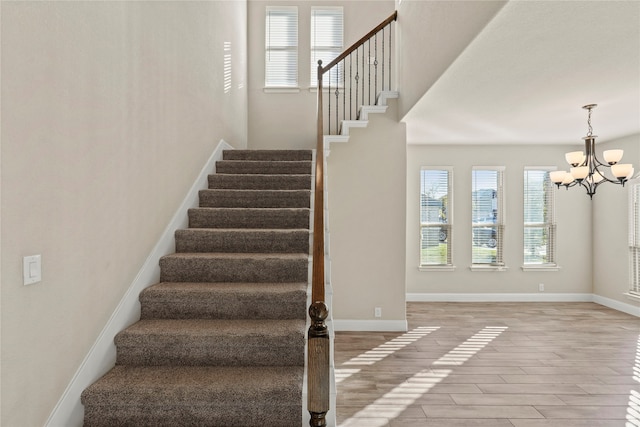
pixel 541 287
pixel 377 312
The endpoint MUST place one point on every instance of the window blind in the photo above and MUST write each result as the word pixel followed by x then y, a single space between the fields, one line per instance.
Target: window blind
pixel 435 216
pixel 487 215
pixel 634 238
pixel 281 47
pixel 539 218
pixel 326 42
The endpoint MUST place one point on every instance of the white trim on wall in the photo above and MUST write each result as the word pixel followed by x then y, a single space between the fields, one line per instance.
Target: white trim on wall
pixel 69 411
pixel 499 297
pixel 370 325
pixel 631 309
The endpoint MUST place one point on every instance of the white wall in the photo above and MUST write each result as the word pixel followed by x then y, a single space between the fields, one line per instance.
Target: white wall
pixel 288 120
pixel 110 110
pixel 431 35
pixel 573 216
pixel 366 197
pixel 610 229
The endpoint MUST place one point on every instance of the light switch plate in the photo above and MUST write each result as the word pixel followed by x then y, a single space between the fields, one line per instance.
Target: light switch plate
pixel 32 269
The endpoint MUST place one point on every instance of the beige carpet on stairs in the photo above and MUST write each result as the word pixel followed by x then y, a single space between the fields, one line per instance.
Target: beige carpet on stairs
pixel 221 338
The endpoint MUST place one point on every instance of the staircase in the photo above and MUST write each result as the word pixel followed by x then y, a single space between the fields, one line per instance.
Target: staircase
pixel 221 339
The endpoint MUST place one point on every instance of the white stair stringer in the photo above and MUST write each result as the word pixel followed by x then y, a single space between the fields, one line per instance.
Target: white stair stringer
pixel 363 118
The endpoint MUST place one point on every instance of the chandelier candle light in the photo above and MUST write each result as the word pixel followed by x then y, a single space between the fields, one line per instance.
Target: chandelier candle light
pixel 587 170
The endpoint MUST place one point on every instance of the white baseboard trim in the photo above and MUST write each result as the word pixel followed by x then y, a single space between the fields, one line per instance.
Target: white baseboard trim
pixel 69 412
pixel 631 309
pixel 511 297
pixel 634 310
pixel 370 325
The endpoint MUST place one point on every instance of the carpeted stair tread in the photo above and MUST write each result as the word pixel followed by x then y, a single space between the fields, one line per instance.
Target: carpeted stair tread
pixel 233 267
pixel 284 218
pixel 180 396
pixel 275 155
pixel 242 240
pixel 188 300
pixel 263 167
pixel 222 342
pixel 260 181
pixel 255 198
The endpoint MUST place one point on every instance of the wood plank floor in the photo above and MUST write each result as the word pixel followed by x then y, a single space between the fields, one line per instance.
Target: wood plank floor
pixel 493 365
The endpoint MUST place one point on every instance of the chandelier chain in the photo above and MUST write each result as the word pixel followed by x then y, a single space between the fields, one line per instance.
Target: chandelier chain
pixel 590 132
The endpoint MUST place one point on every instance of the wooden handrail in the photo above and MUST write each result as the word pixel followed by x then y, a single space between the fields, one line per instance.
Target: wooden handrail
pixel 318 351
pixel 359 43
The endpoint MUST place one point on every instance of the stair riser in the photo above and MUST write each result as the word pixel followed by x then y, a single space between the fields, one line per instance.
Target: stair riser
pixel 259 167
pixel 226 307
pixel 242 241
pixel 260 182
pixel 143 414
pixel 233 270
pixel 254 199
pixel 213 351
pixel 274 155
pixel 249 218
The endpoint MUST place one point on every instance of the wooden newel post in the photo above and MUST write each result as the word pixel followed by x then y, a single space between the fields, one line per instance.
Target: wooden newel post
pixel 318 363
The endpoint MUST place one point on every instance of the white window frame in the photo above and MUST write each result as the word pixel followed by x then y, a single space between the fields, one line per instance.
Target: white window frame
pixel 448 225
pixel 634 239
pixel 499 224
pixel 273 81
pixel 550 224
pixel 335 49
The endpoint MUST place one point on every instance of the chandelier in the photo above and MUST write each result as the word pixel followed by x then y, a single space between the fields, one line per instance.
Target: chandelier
pixel 587 170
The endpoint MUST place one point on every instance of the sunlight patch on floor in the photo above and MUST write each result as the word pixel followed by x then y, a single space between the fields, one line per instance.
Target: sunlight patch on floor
pixel 383 350
pixel 470 347
pixel 396 401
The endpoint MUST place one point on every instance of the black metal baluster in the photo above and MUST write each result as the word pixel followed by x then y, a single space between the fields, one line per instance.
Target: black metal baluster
pixel 350 86
pixel 344 91
pixel 390 50
pixel 357 78
pixel 369 70
pixel 383 59
pixel 329 97
pixel 375 68
pixel 337 100
pixel 363 76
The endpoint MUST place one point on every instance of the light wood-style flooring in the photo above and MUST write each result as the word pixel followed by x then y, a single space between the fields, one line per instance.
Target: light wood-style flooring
pixel 493 365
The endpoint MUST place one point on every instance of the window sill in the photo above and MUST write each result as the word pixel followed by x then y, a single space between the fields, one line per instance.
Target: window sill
pixel 281 90
pixel 437 268
pixel 632 296
pixel 488 267
pixel 541 267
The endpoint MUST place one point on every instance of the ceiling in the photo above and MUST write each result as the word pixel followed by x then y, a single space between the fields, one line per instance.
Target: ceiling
pixel 526 75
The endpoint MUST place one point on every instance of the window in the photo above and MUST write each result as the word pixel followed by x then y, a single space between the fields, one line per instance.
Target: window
pixel 435 217
pixel 281 60
pixel 326 42
pixel 487 216
pixel 539 218
pixel 634 239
